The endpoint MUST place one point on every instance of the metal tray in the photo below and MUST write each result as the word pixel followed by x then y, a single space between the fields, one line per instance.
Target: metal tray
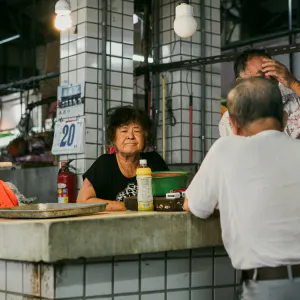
pixel 51 210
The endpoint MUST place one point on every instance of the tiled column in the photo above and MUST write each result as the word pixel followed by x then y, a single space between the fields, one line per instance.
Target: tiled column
pixel 181 84
pixel 81 62
pixel 202 274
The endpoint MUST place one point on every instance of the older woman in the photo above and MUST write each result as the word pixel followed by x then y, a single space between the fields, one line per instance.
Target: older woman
pixel 112 177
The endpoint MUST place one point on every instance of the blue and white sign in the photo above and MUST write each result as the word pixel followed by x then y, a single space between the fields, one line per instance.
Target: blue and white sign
pixel 70 102
pixel 69 137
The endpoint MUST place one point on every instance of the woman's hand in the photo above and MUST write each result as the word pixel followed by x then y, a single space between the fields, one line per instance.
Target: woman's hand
pixel 87 194
pixel 115 206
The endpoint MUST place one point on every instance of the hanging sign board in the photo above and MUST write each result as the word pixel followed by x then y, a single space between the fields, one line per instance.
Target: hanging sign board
pixel 69 137
pixel 70 102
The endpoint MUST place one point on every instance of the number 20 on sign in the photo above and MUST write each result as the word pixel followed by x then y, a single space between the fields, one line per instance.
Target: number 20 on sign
pixel 69 137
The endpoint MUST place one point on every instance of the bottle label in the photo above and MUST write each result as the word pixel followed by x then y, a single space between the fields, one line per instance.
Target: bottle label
pixel 145 206
pixel 144 188
pixel 145 197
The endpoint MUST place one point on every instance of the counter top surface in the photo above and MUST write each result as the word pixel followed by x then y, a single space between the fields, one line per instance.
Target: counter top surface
pixel 104 235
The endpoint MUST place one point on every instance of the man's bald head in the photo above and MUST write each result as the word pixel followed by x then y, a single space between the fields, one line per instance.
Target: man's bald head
pixel 254 99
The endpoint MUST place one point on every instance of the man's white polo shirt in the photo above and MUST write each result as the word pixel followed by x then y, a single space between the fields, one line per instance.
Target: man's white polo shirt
pixel 255 182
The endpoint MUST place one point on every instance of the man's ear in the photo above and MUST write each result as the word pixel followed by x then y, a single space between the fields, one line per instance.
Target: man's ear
pixel 284 120
pixel 238 79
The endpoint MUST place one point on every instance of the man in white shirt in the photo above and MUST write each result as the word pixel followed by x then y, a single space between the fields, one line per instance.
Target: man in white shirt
pixel 257 62
pixel 253 177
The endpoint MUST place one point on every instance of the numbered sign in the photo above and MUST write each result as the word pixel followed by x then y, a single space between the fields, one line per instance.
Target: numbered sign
pixel 69 137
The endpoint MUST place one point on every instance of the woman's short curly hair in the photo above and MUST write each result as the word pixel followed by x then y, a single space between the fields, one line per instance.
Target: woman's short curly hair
pixel 125 115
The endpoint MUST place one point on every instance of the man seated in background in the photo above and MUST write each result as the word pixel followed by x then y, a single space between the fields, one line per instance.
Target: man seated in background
pixel 253 177
pixel 258 63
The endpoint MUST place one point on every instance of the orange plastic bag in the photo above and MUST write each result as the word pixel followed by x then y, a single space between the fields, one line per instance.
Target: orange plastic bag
pixel 7 196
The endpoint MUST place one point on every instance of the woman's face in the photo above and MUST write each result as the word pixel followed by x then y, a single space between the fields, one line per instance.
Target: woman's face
pixel 129 138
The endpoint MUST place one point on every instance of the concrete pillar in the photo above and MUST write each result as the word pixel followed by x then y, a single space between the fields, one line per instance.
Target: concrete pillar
pixel 81 62
pixel 181 84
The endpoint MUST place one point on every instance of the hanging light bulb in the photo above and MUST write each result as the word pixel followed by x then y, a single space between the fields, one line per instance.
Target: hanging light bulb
pixel 63 19
pixel 184 25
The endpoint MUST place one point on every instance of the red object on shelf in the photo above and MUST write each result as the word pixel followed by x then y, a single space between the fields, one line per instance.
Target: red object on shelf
pixel 8 198
pixel 178 191
pixel 165 174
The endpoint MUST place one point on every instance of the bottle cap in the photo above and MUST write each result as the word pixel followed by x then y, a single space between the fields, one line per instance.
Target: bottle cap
pixel 143 161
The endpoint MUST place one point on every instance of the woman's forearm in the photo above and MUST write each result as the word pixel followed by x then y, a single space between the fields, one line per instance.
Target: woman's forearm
pixel 295 87
pixel 111 205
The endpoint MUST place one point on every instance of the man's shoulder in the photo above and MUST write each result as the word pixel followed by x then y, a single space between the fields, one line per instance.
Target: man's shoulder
pixel 225 143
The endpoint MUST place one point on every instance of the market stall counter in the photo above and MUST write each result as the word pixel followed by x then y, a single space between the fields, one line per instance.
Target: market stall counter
pixel 117 255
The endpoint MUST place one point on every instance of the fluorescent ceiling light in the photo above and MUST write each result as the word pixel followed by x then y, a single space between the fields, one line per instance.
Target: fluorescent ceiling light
pixel 140 58
pixel 10 39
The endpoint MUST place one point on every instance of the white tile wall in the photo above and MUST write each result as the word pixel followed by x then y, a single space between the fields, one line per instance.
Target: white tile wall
pixel 202 272
pixel 92 45
pixel 91 90
pixel 72 48
pixel 47 281
pixel 178 273
pixel 64 37
pixel 91 151
pixel 69 281
pixel 31 279
pixel 92 30
pixel 2 296
pixel 64 65
pixel 64 50
pixel 159 296
pixel 91 60
pixel 126 282
pixel 2 275
pixel 180 295
pixel 127 36
pixel 72 63
pixel 98 279
pixel 224 273
pixel 203 294
pixel 14 277
pixel 73 77
pixel 91 75
pixel 82 3
pixel 153 272
pixel 81 30
pixel 80 166
pixel 133 297
pixel 90 106
pixel 224 293
pixel 186 49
